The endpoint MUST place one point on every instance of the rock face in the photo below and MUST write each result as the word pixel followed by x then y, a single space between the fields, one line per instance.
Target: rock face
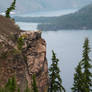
pixel 22 56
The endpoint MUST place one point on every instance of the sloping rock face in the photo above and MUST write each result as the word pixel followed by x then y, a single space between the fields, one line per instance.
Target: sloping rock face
pixel 22 56
pixel 34 49
pixel 7 26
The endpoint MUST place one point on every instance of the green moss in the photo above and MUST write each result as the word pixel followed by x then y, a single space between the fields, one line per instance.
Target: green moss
pixel 20 43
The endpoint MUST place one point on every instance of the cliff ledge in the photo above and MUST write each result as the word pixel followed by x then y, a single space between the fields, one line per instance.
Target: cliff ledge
pixel 22 53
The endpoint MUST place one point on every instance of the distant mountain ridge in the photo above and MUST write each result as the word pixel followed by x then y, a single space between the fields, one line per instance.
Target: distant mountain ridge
pixel 79 20
pixel 26 6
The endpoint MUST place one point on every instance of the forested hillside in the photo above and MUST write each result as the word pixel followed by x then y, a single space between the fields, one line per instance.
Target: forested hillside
pixel 79 20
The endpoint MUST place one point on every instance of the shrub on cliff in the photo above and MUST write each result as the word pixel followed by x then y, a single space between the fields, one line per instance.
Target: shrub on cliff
pixel 54 76
pixel 18 90
pixel 11 85
pixel 20 42
pixel 34 85
pixel 27 89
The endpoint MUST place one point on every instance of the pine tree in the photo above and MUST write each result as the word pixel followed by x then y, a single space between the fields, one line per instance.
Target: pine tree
pixel 83 76
pixel 11 8
pixel 18 90
pixel 78 80
pixel 2 90
pixel 8 85
pixel 34 85
pixel 86 64
pixel 27 89
pixel 54 76
pixel 11 85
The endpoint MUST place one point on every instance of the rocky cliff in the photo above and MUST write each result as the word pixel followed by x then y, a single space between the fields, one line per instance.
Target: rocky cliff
pixel 22 53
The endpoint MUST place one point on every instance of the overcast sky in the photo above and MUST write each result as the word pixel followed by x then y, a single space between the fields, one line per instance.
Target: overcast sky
pixel 42 5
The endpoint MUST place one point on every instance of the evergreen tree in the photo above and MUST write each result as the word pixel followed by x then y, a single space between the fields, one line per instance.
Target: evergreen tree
pixel 8 85
pixel 86 64
pixel 34 85
pixel 78 80
pixel 11 85
pixel 18 89
pixel 2 90
pixel 83 76
pixel 54 76
pixel 27 89
pixel 11 8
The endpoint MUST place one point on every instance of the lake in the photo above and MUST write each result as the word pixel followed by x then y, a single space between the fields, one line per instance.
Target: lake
pixel 67 45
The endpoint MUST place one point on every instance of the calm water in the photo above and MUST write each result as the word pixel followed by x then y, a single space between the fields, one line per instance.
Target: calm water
pixel 68 47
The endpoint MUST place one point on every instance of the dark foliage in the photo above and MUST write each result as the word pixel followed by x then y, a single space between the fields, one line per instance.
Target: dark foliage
pixel 34 85
pixel 83 75
pixel 54 76
pixel 78 80
pixel 11 8
pixel 87 67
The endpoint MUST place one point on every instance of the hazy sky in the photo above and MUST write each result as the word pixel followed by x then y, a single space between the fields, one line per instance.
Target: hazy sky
pixel 39 5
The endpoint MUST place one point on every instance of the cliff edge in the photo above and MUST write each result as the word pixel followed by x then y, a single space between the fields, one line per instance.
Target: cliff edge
pixel 22 53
